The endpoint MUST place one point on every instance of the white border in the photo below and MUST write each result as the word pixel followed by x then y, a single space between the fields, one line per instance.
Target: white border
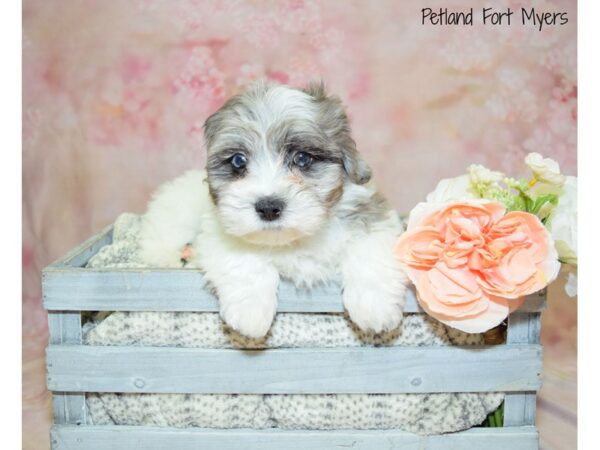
pixel 10 243
pixel 589 221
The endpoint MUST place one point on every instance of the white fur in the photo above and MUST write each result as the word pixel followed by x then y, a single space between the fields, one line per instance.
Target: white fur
pixel 246 275
pixel 304 212
pixel 281 101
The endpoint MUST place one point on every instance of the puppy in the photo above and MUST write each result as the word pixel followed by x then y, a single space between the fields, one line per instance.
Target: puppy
pixel 285 195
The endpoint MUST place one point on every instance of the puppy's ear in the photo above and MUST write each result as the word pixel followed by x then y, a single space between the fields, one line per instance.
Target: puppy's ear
pixel 211 125
pixel 316 89
pixel 357 168
pixel 333 120
pixel 214 123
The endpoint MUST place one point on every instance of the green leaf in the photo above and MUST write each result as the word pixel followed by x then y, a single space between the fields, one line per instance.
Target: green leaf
pixel 534 205
pixel 522 186
pixel 518 203
pixel 495 419
pixel 498 417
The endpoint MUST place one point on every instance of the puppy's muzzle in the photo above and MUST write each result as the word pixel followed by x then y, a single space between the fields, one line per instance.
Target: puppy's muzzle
pixel 269 208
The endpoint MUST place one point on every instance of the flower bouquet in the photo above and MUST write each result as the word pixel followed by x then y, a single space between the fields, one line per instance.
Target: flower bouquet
pixel 483 241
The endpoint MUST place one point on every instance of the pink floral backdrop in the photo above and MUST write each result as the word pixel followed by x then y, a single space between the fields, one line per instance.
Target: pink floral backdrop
pixel 116 92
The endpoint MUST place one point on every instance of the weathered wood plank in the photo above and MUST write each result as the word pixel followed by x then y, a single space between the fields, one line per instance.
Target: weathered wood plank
pixel 69 287
pixel 296 371
pixel 80 255
pixel 182 290
pixel 153 438
pixel 520 407
pixel 523 328
pixel 65 328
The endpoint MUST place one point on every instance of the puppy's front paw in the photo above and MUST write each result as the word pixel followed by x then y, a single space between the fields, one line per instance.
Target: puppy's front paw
pixel 250 317
pixel 372 309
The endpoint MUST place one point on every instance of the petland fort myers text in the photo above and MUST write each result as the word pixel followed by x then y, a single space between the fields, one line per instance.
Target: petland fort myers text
pixel 494 17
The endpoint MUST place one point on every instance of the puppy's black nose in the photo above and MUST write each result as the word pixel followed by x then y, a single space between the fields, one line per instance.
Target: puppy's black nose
pixel 269 208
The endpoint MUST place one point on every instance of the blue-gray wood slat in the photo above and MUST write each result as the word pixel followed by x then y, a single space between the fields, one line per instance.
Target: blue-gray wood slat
pixel 294 371
pixel 153 438
pixel 182 290
pixel 80 255
pixel 520 408
pixel 68 286
pixel 65 328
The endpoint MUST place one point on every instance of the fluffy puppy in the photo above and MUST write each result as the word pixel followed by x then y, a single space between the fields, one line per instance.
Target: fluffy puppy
pixel 285 195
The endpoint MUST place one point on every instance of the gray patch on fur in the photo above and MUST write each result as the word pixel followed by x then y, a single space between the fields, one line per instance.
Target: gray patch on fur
pixel 232 129
pixel 366 212
pixel 332 118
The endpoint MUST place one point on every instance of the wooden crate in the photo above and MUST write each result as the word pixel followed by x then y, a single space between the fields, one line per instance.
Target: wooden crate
pixel 74 369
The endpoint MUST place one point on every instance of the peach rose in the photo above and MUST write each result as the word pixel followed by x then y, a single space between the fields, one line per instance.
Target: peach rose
pixel 472 262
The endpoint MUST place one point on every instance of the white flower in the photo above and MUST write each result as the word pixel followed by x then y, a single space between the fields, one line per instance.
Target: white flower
pixel 563 222
pixel 571 284
pixel 545 170
pixel 451 189
pixel 479 174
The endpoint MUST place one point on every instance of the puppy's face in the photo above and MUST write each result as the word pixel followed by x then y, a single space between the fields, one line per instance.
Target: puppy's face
pixel 278 159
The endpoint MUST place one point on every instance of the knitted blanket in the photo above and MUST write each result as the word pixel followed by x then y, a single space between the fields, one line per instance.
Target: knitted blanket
pixel 418 413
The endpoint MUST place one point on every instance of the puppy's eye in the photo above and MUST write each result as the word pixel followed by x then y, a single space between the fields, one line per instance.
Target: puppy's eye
pixel 302 160
pixel 239 161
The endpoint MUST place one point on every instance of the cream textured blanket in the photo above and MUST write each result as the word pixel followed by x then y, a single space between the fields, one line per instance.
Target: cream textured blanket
pixel 418 413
